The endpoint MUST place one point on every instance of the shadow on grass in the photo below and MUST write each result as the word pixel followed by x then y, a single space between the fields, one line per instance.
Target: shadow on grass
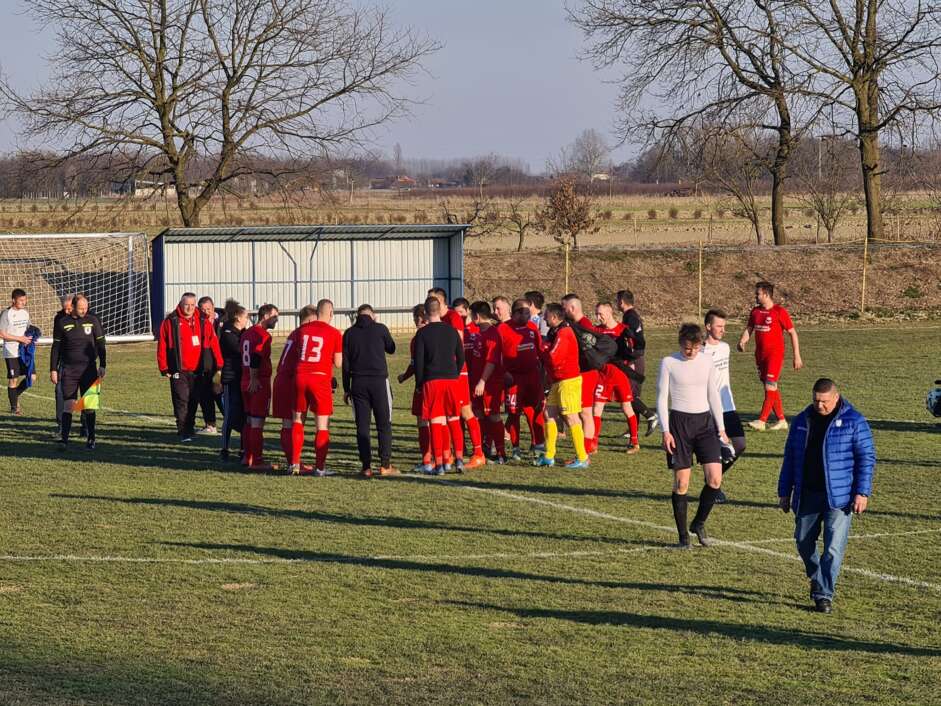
pixel 710 592
pixel 342 519
pixel 710 628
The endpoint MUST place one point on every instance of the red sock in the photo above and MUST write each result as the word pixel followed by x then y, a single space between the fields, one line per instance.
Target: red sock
pixel 497 432
pixel 597 429
pixel 473 428
pixel 457 438
pixel 767 405
pixel 297 441
pixel 632 423
pixel 424 443
pixel 439 442
pixel 286 441
pixel 321 446
pixel 513 426
pixel 258 437
pixel 539 429
pixel 778 405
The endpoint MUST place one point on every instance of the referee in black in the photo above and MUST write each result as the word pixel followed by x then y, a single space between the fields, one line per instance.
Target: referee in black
pixel 366 381
pixel 77 360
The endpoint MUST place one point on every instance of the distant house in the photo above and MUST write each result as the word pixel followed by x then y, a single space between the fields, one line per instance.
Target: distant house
pixel 400 183
pixel 443 184
pixel 603 176
pixel 140 189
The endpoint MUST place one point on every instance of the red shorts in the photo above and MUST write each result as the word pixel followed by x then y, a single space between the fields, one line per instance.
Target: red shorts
pixel 314 393
pixel 417 403
pixel 613 385
pixel 490 402
pixel 770 366
pixel 255 404
pixel 462 391
pixel 525 391
pixel 439 399
pixel 282 399
pixel 589 384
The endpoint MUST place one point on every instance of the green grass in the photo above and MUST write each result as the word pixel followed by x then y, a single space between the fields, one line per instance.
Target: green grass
pixel 491 588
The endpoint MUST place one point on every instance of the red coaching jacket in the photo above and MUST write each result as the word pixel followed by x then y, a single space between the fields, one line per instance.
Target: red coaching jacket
pixel 187 345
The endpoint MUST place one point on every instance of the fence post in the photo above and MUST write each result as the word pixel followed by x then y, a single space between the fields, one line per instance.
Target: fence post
pixel 700 277
pixel 862 300
pixel 634 220
pixel 567 289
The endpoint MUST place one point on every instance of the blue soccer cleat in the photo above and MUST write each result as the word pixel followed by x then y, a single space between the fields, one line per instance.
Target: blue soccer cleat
pixel 577 463
pixel 545 461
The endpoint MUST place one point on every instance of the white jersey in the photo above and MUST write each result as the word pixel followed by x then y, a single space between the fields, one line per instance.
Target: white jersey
pixel 15 322
pixel 721 353
pixel 692 387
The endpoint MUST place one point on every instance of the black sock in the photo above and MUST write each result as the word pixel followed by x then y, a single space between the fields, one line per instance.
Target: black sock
pixel 84 418
pixel 89 418
pixel 14 395
pixel 66 425
pixel 641 409
pixel 707 498
pixel 680 503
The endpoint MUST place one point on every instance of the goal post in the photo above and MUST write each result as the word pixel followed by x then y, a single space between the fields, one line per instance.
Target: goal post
pixel 111 269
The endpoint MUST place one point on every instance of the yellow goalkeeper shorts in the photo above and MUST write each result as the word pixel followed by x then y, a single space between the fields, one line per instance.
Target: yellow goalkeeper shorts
pixel 566 395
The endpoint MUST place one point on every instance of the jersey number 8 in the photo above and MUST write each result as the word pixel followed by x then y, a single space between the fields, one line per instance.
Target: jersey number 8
pixel 246 353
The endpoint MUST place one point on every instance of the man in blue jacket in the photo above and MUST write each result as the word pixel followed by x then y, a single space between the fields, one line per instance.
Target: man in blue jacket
pixel 826 476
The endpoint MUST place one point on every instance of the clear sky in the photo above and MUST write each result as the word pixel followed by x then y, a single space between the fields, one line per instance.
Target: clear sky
pixel 507 80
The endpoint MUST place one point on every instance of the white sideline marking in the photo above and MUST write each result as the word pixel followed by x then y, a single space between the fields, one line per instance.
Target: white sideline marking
pixel 152 420
pixel 889 578
pixel 876 535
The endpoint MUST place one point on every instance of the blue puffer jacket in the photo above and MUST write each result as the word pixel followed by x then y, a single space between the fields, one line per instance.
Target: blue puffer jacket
pixel 849 457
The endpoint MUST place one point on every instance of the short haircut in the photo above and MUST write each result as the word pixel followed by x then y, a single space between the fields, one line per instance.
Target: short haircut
pixel 765 287
pixel 460 301
pixel 520 304
pixel 433 306
pixel 266 310
pixel 76 298
pixel 714 314
pixel 418 311
pixel 555 310
pixel 322 306
pixel 187 295
pixel 537 299
pixel 690 333
pixel 17 293
pixel 481 308
pixel 203 300
pixel 365 309
pixel 67 298
pixel 570 297
pixel 306 311
pixel 607 304
pixel 501 298
pixel 438 292
pixel 626 296
pixel 824 385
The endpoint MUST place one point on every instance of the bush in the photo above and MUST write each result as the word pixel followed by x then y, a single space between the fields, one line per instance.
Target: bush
pixel 809 213
pixel 674 212
pixel 606 215
pixel 912 292
pixel 627 216
pixel 697 214
pixel 652 214
pixel 34 208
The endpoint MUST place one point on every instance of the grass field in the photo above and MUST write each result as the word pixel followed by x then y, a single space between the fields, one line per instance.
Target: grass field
pixel 147 573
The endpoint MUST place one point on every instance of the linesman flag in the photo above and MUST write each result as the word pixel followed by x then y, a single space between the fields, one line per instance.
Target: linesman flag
pixel 90 399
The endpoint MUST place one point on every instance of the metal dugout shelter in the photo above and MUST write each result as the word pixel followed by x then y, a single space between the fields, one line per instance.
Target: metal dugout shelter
pixel 389 267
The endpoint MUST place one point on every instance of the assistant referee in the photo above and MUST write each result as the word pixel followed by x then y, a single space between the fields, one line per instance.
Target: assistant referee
pixel 366 381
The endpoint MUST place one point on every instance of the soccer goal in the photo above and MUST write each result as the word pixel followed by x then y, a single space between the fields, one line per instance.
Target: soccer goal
pixel 111 269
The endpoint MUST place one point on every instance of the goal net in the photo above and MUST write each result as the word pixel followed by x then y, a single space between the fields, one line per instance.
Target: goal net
pixel 111 269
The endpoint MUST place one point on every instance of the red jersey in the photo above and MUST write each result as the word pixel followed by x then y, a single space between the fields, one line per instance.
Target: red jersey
pixel 456 321
pixel 561 356
pixel 317 342
pixel 769 326
pixel 256 353
pixel 471 341
pixel 488 348
pixel 521 347
pixel 615 332
pixel 586 324
pixel 287 363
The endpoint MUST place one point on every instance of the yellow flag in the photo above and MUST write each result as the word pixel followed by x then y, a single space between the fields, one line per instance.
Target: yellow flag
pixel 91 398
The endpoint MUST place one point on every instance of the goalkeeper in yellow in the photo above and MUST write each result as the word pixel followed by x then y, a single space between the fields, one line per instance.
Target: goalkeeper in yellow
pixel 77 365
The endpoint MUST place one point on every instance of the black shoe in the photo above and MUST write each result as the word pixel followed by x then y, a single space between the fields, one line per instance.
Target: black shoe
pixel 186 439
pixel 720 498
pixel 90 444
pixel 683 545
pixel 700 532
pixel 653 422
pixel 62 444
pixel 823 605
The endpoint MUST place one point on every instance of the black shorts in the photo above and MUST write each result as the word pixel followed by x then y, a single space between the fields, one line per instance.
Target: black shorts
pixel 693 433
pixel 733 425
pixel 13 368
pixel 640 367
pixel 75 381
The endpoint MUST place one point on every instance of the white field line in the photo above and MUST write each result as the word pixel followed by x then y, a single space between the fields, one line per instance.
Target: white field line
pixel 152 420
pixel 889 578
pixel 876 535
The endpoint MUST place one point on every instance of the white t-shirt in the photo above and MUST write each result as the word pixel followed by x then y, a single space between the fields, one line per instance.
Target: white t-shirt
pixel 691 386
pixel 15 322
pixel 721 353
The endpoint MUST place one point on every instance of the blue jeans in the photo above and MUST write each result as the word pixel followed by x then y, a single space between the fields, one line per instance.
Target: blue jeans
pixel 813 512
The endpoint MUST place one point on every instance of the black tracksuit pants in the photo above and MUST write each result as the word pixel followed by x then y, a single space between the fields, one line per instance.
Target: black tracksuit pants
pixel 372 398
pixel 184 391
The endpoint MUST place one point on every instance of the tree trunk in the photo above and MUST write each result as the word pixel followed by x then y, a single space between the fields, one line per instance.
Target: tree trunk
pixel 522 235
pixel 779 173
pixel 869 153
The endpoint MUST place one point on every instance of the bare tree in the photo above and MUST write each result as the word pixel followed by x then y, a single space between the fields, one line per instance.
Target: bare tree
pixel 585 157
pixel 880 62
pixel 483 216
pixel 479 171
pixel 565 216
pixel 827 168
pixel 172 81
pixel 704 60
pixel 520 219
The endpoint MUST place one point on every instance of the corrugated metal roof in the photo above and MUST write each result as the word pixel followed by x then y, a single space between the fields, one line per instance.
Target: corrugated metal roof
pixel 311 232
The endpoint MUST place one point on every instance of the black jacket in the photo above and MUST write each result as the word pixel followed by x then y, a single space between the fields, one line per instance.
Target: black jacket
pixel 365 345
pixel 229 338
pixel 439 353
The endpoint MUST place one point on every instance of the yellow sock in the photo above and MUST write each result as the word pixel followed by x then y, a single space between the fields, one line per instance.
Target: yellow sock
pixel 552 437
pixel 578 440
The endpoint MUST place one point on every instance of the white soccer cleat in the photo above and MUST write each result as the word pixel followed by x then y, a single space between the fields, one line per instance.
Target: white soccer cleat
pixel 780 425
pixel 758 425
